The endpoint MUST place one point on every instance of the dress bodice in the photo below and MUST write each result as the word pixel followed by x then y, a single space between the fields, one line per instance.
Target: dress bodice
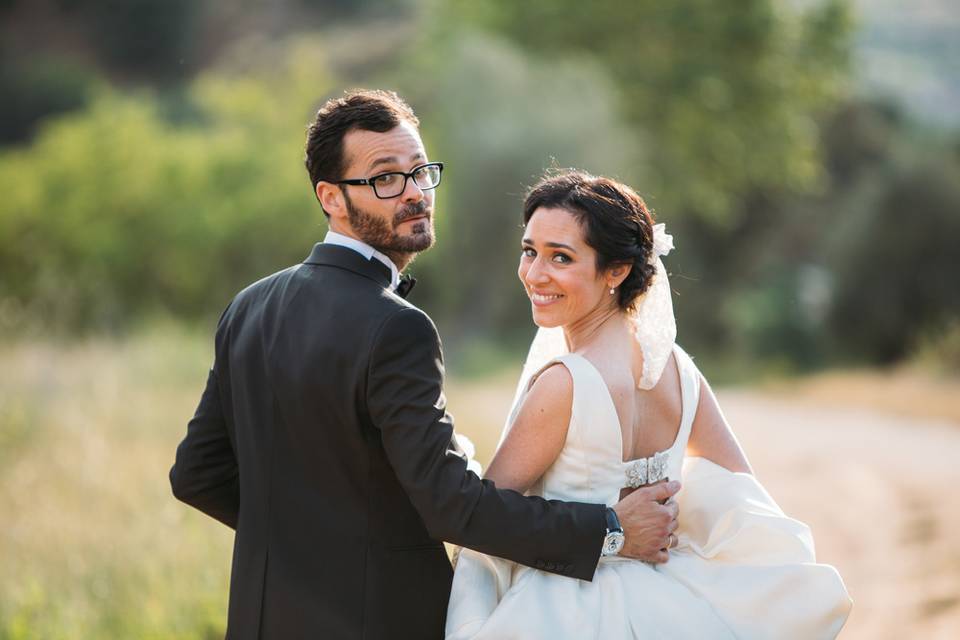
pixel 739 569
pixel 590 468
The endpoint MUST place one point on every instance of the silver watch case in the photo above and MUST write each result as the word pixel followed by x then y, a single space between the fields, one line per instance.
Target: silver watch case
pixel 613 543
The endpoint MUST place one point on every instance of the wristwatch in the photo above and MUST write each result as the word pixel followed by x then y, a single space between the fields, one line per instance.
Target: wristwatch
pixel 613 542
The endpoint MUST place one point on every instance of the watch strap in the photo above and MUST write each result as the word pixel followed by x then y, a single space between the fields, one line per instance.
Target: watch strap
pixel 613 522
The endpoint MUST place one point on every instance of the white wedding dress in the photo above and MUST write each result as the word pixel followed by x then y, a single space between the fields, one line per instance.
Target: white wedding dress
pixel 742 569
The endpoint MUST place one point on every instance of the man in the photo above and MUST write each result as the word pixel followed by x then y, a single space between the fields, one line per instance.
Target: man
pixel 322 437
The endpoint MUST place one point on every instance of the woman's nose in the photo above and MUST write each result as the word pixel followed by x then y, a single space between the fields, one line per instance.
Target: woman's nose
pixel 536 274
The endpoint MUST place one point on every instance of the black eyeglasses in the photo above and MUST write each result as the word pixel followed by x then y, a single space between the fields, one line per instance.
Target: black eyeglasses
pixel 390 185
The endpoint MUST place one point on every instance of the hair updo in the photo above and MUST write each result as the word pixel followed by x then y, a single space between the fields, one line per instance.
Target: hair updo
pixel 615 221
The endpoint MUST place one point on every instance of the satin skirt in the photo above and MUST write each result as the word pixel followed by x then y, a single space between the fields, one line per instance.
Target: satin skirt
pixel 741 569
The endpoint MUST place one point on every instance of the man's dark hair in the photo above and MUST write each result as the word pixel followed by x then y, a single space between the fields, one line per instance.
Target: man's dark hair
pixel 370 110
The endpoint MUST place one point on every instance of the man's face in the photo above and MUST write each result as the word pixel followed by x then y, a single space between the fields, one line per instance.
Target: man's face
pixel 400 225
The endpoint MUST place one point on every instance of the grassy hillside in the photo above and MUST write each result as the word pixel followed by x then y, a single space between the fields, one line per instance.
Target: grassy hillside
pixel 94 546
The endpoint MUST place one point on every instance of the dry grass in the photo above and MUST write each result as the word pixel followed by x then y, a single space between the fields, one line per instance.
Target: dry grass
pixel 479 408
pixel 94 546
pixel 905 391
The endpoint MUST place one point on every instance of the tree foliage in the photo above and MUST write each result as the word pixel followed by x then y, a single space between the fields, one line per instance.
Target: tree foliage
pixel 809 225
pixel 723 96
pixel 115 212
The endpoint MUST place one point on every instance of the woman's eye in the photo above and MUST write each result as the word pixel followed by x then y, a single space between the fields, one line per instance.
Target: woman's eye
pixel 530 253
pixel 561 258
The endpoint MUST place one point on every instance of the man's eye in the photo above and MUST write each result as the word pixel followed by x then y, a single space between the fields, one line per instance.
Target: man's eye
pixel 387 179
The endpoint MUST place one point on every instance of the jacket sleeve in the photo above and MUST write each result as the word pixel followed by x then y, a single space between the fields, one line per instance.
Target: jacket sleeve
pixel 205 474
pixel 406 402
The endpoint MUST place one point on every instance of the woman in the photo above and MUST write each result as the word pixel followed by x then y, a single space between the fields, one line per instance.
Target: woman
pixel 607 403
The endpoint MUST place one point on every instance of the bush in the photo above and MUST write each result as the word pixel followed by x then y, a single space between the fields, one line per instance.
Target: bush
pixel 896 276
pixel 115 213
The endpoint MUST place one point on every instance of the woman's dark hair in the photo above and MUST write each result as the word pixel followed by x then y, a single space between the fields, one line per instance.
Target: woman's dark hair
pixel 614 219
pixel 374 110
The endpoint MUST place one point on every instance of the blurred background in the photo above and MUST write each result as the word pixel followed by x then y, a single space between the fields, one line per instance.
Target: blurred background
pixel 805 155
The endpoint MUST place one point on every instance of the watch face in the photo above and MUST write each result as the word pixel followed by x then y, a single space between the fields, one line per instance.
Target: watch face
pixel 612 544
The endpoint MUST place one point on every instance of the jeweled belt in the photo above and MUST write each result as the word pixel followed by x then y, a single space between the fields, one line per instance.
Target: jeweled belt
pixel 645 471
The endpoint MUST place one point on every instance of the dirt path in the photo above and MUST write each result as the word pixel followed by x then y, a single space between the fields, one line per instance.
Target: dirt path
pixel 881 494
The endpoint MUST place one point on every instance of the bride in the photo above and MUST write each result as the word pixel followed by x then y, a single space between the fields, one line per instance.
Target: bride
pixel 608 403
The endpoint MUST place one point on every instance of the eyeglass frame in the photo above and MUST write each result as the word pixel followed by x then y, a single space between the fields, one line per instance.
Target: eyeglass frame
pixel 369 182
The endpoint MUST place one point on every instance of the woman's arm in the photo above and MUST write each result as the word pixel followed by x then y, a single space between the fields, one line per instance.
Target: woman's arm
pixel 538 433
pixel 711 437
pixel 404 393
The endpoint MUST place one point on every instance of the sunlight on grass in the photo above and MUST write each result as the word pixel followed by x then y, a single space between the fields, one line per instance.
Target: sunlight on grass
pixel 95 546
pixel 93 543
pixel 96 543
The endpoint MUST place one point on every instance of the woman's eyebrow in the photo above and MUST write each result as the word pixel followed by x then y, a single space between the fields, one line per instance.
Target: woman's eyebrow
pixel 552 245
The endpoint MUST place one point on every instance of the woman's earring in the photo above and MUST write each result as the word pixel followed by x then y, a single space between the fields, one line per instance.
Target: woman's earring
pixel 612 291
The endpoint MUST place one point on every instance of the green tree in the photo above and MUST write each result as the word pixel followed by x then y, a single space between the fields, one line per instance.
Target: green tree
pixel 115 213
pixel 722 95
pixel 894 257
pixel 498 118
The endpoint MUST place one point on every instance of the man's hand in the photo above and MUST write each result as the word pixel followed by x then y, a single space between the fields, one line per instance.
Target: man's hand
pixel 649 518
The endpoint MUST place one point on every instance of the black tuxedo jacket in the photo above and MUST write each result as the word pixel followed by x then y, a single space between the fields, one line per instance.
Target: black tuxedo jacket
pixel 322 438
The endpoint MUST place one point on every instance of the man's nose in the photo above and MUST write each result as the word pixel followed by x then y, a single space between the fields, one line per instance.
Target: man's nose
pixel 412 192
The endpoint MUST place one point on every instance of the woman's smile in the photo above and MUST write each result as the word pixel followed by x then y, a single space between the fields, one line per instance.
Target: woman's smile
pixel 544 299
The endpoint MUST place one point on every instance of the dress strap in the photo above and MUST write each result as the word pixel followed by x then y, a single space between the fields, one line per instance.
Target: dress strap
pixel 690 394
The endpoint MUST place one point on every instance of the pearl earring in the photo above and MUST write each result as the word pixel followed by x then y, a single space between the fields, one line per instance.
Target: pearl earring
pixel 612 291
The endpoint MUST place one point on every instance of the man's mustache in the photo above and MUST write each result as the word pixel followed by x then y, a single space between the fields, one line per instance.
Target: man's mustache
pixel 413 210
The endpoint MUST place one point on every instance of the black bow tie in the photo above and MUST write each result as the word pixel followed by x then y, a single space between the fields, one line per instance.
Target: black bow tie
pixel 406 284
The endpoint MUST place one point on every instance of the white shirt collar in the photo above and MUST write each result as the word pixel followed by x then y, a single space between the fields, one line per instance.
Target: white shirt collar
pixel 366 251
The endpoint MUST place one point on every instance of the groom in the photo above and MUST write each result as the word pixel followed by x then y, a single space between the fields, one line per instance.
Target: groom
pixel 322 435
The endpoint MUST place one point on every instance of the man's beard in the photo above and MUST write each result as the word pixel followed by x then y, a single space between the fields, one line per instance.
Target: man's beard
pixel 383 236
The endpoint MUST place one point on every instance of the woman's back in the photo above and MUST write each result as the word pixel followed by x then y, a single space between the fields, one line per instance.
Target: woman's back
pixel 592 466
pixel 649 418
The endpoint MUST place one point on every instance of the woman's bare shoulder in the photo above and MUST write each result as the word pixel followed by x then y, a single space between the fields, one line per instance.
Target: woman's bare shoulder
pixel 538 433
pixel 550 385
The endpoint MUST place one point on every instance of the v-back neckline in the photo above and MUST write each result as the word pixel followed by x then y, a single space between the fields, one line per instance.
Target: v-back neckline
pixel 613 408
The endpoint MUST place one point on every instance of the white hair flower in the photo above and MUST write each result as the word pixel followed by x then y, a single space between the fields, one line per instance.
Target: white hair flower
pixel 662 241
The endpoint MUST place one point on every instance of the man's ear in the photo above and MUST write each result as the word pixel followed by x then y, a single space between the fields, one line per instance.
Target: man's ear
pixel 331 199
